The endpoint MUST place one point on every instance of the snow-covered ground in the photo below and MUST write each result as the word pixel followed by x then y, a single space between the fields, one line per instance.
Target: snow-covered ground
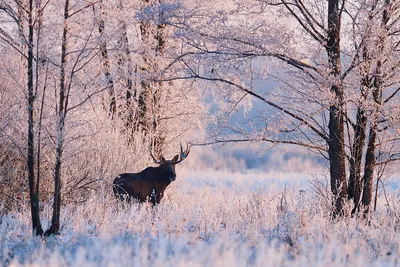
pixel 211 218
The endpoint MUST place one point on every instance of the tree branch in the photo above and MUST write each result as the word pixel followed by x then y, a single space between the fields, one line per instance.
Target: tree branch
pixel 287 112
pixel 320 148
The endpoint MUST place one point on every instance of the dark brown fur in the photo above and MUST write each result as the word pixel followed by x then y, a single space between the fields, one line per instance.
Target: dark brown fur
pixel 147 185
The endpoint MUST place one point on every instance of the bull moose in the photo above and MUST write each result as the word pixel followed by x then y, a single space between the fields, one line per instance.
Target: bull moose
pixel 149 184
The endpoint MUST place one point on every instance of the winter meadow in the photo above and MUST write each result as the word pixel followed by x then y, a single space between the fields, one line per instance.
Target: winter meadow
pixel 199 133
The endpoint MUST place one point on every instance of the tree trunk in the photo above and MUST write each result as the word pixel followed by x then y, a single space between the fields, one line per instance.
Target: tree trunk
pixel 106 65
pixel 154 89
pixel 126 70
pixel 337 160
pixel 370 160
pixel 336 143
pixel 148 113
pixel 33 183
pixel 145 85
pixel 55 221
pixel 369 170
pixel 354 188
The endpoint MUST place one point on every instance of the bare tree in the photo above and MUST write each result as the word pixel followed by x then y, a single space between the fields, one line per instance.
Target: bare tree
pixel 127 71
pixel 370 160
pixel 62 113
pixel 336 142
pixel 33 182
pixel 18 11
pixel 83 54
pixel 375 55
pixel 106 61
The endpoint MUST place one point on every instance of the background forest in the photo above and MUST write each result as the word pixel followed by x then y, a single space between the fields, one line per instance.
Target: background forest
pixel 288 88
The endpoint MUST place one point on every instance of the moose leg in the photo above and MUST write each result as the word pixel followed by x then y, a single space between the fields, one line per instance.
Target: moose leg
pixel 153 198
pixel 158 198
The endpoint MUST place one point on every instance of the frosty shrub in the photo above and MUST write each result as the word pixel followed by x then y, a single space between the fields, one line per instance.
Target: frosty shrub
pixel 208 218
pixel 13 185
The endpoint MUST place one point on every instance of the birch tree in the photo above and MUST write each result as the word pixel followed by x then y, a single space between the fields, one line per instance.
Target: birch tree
pixel 26 14
pixel 62 113
pixel 75 58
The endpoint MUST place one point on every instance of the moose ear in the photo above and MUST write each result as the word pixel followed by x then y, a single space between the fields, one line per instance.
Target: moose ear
pixel 175 159
pixel 162 159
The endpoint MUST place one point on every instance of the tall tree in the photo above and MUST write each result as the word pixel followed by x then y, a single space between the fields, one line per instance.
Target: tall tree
pixel 126 71
pixel 152 29
pixel 33 181
pixel 106 62
pixel 75 58
pixel 375 56
pixel 18 11
pixel 377 84
pixel 336 142
pixel 62 113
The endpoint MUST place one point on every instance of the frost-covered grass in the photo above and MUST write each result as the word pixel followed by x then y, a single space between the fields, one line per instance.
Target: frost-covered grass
pixel 209 218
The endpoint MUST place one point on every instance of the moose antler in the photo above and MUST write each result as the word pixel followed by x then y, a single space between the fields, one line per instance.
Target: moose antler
pixel 151 155
pixel 184 154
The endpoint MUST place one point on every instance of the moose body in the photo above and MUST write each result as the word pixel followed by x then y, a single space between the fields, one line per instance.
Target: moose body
pixel 149 184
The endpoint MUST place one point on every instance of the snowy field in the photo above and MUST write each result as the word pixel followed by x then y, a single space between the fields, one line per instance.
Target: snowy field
pixel 210 218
